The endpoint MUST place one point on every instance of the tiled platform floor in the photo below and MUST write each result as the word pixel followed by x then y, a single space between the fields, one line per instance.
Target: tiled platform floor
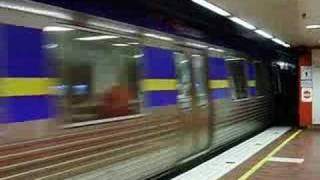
pixel 222 164
pixel 305 146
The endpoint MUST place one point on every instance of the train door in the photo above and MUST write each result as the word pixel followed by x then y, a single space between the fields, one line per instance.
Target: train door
pixel 193 96
pixel 201 102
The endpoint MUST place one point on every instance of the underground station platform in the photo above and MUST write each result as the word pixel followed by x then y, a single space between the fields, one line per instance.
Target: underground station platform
pixel 278 153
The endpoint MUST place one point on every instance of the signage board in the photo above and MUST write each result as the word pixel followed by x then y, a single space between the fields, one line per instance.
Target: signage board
pixel 306 73
pixel 306 84
pixel 306 94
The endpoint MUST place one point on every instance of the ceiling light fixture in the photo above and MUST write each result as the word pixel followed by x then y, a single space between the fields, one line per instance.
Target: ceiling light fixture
pixel 264 34
pixel 278 41
pixel 156 36
pixel 287 45
pixel 313 26
pixel 95 38
pixel 212 7
pixel 243 23
pixel 56 29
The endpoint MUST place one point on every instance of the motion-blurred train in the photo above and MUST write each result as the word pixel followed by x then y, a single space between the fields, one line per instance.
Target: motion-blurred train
pixel 92 98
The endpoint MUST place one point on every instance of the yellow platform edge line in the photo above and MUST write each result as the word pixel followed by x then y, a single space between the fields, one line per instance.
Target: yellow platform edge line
pixel 27 86
pixel 159 84
pixel 219 84
pixel 257 166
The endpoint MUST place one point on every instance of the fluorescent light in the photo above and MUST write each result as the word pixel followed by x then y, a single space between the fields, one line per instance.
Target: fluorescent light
pixel 212 7
pixel 133 43
pixel 287 45
pixel 243 23
pixel 216 49
pixel 120 45
pixel 313 26
pixel 156 36
pixel 56 29
pixel 94 38
pixel 196 55
pixel 264 34
pixel 276 40
pixel 196 45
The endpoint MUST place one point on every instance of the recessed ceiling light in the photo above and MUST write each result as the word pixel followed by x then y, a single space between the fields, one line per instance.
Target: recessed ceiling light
pixel 313 26
pixel 243 23
pixel 264 34
pixel 95 38
pixel 56 29
pixel 120 45
pixel 212 7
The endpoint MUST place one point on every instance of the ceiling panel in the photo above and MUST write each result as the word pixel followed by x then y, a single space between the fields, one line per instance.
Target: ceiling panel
pixel 282 18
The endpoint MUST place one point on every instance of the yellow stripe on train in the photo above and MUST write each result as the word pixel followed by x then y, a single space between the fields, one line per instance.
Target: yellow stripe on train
pixel 219 84
pixel 27 86
pixel 251 83
pixel 159 84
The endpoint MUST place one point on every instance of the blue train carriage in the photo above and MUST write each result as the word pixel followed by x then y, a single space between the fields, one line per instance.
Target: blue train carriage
pixel 153 99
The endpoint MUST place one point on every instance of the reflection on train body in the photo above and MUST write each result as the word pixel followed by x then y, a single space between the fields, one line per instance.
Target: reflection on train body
pixel 100 76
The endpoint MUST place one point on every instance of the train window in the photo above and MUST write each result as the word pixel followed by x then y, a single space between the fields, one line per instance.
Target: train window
pixel 239 80
pixel 98 74
pixel 184 81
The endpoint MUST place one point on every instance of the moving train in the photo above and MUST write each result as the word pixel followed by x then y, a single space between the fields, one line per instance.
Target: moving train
pixel 85 97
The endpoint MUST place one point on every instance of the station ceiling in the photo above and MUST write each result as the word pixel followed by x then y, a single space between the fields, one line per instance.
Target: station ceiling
pixel 286 19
